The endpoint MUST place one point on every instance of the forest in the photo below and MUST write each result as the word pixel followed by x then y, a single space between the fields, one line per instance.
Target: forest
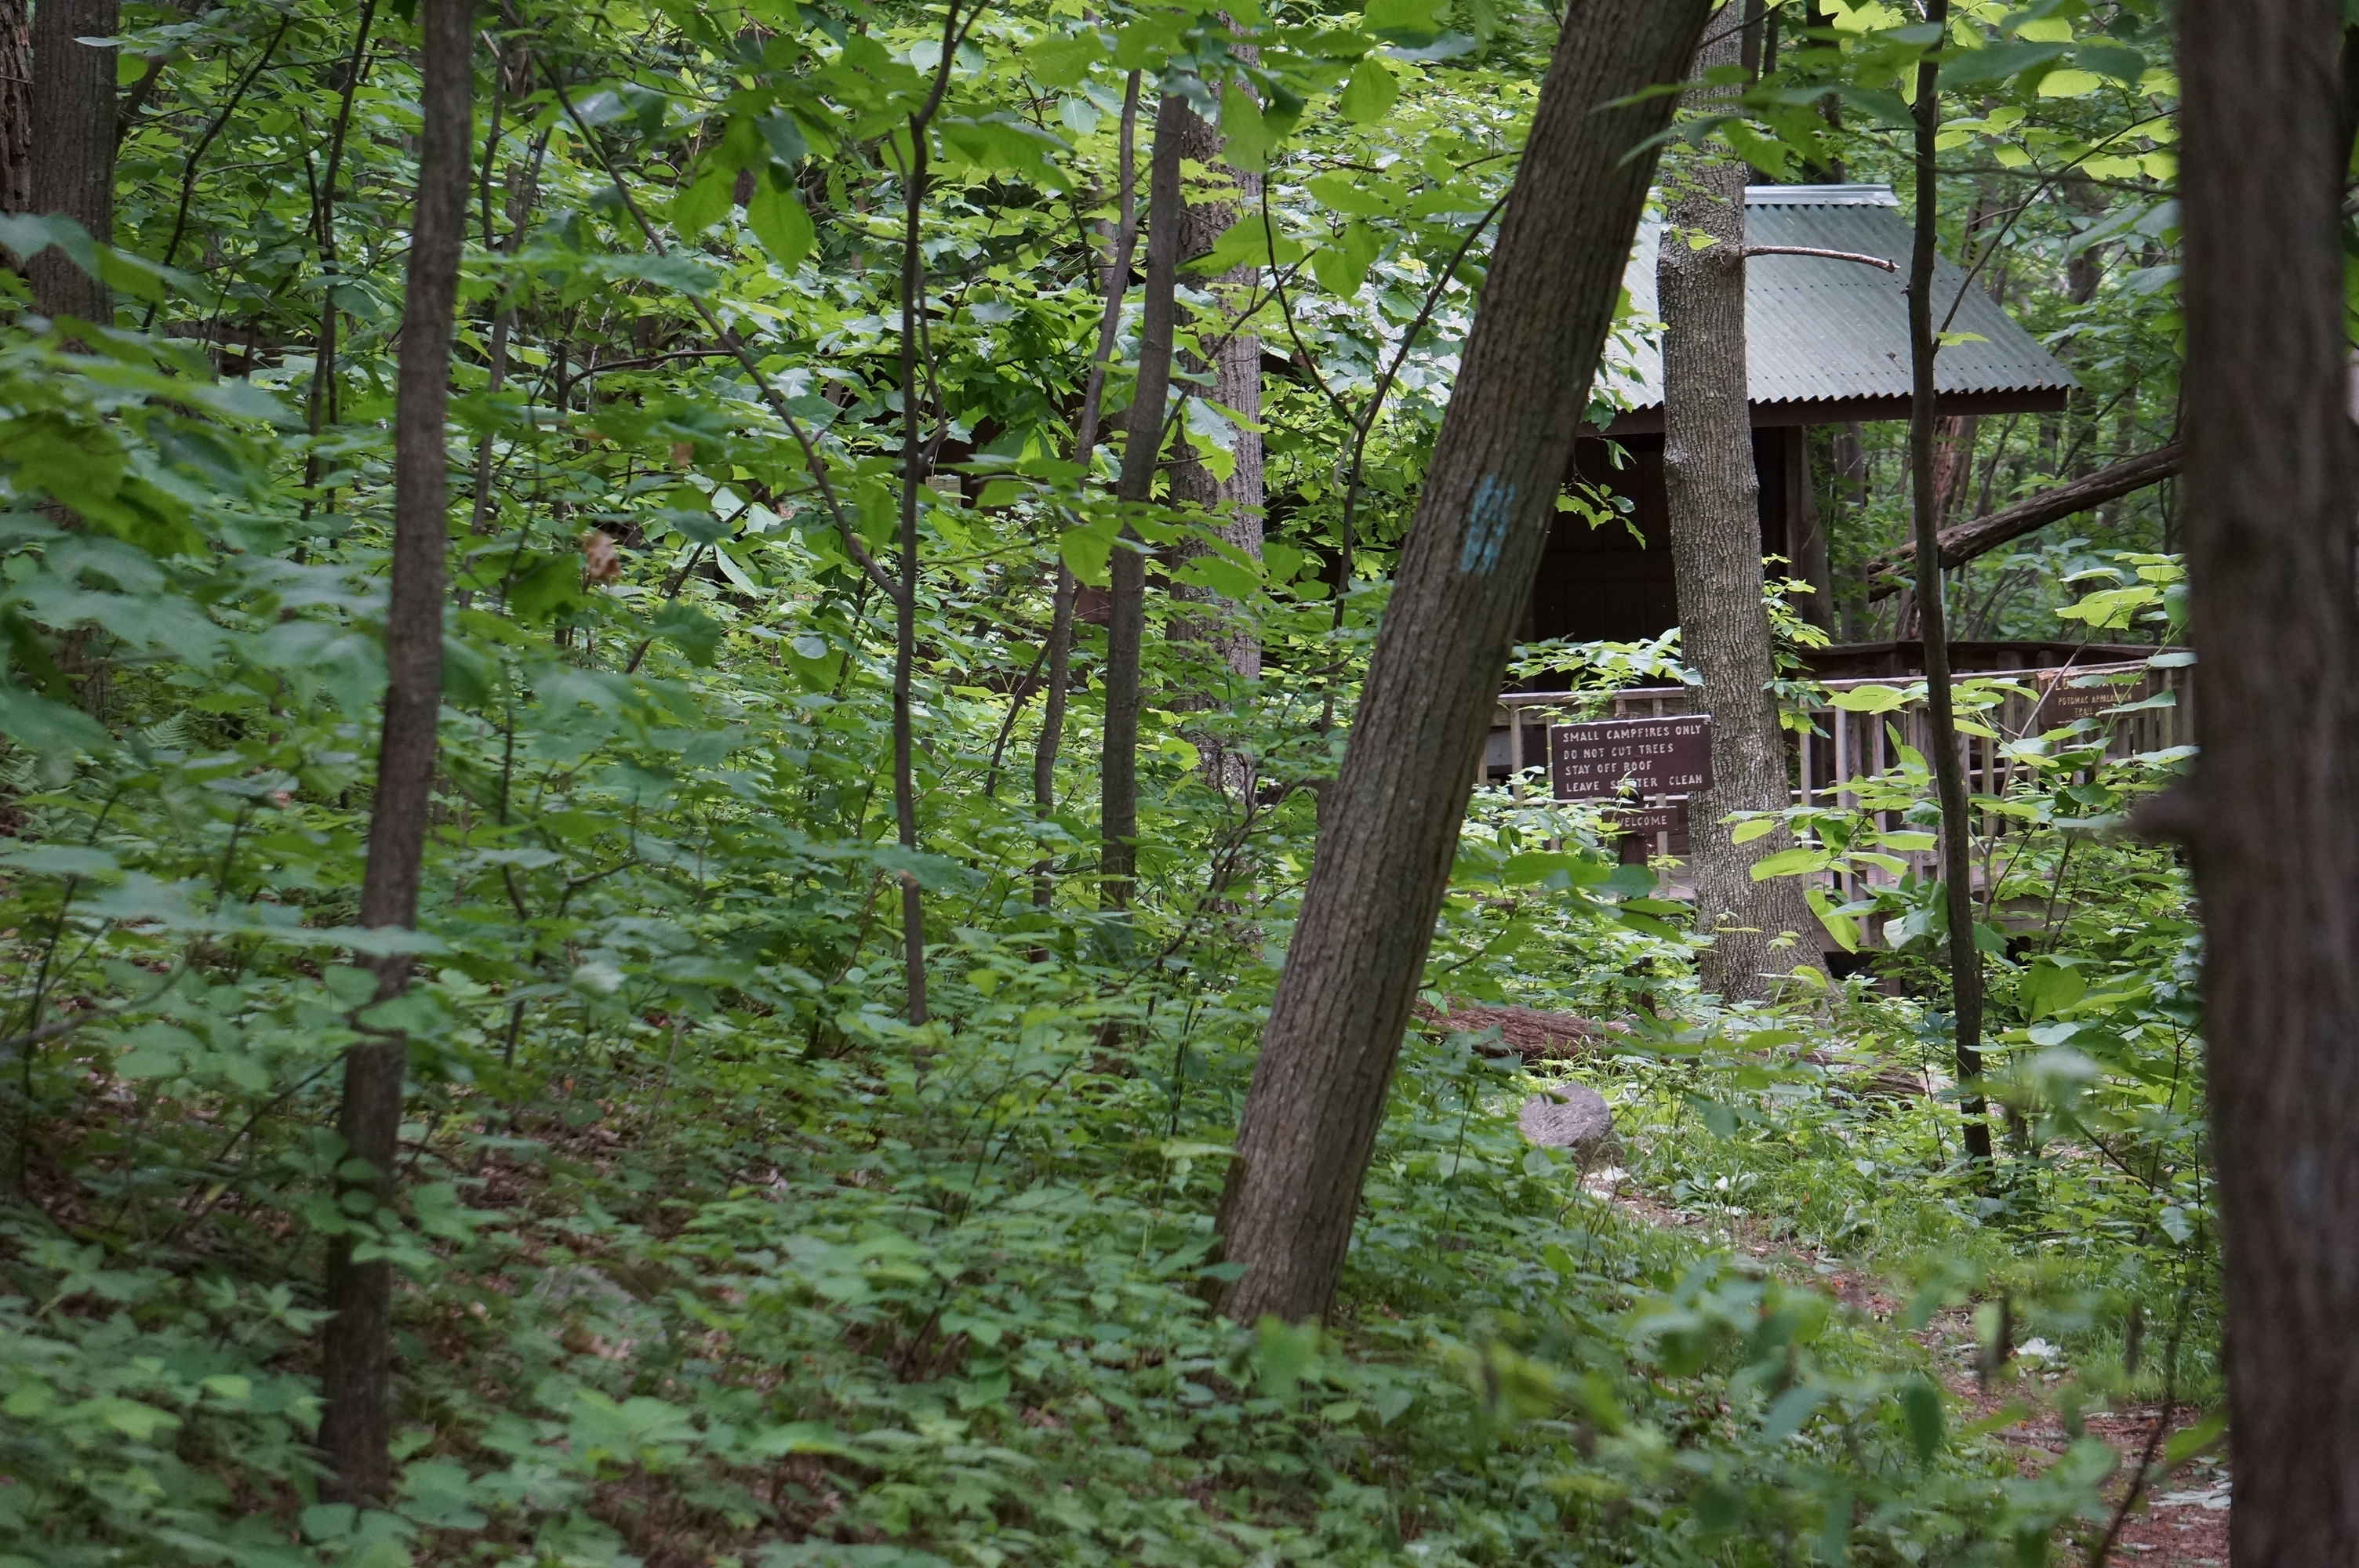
pixel 963 784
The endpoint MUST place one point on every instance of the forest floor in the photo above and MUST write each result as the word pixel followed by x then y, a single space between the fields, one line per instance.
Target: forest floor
pixel 2181 1522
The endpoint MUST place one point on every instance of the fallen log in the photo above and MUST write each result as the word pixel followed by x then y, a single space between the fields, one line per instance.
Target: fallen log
pixel 1987 533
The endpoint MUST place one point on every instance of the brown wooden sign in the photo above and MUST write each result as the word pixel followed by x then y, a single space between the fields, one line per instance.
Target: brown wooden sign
pixel 1650 819
pixel 1656 756
pixel 2061 704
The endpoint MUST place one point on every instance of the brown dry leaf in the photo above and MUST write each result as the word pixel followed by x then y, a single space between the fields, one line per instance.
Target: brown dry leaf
pixel 599 561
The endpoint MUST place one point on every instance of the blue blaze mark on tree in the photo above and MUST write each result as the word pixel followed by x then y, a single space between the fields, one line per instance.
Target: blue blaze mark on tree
pixel 1486 526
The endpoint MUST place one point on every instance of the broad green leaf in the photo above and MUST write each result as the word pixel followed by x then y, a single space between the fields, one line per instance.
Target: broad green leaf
pixel 1920 1410
pixel 1411 18
pixel 1790 862
pixel 1370 93
pixel 1063 61
pixel 778 220
pixel 2070 83
pixel 1868 700
pixel 2047 989
pixel 702 204
pixel 1245 131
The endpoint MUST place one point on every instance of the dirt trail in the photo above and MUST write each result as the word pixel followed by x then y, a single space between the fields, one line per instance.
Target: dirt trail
pixel 2182 1523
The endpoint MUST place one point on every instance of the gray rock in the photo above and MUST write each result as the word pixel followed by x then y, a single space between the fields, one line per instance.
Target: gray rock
pixel 1568 1115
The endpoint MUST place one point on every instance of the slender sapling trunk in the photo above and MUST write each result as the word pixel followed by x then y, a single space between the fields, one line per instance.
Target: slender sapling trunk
pixel 1142 450
pixel 1117 286
pixel 1940 718
pixel 355 1360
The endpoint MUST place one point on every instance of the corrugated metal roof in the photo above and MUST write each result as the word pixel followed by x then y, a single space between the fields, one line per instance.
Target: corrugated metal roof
pixel 1824 330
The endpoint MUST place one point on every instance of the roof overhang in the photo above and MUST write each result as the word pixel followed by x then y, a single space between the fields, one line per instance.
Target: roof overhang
pixel 1826 339
pixel 1857 410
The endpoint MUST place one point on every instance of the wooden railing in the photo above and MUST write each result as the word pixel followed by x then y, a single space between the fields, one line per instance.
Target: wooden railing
pixel 1845 746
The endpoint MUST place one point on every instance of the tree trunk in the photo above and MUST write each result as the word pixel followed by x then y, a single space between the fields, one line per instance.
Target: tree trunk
pixel 1127 617
pixel 1928 497
pixel 904 597
pixel 1391 827
pixel 1115 285
pixel 355 1365
pixel 2269 497
pixel 73 165
pixel 1715 520
pixel 1234 371
pixel 1813 563
pixel 1987 533
pixel 16 107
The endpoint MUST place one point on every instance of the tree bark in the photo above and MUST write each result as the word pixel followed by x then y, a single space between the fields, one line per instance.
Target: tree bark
pixel 16 107
pixel 913 468
pixel 1391 826
pixel 1987 533
pixel 1715 521
pixel 1234 372
pixel 355 1366
pixel 1117 284
pixel 73 163
pixel 1142 449
pixel 1927 497
pixel 2269 497
pixel 1813 563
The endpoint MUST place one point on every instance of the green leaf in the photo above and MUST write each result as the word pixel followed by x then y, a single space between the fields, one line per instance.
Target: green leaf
pixel 1370 93
pixel 1224 576
pixel 63 860
pixel 1411 18
pixel 782 137
pixel 1063 62
pixel 1920 1408
pixel 1086 551
pixel 1246 134
pixel 701 203
pixel 1791 862
pixel 2070 83
pixel 800 1437
pixel 998 143
pixel 2047 989
pixel 469 677
pixel 1793 1408
pixel 778 220
pixel 1282 1352
pixel 1868 700
pixel 1187 1149
pixel 1997 63
pixel 49 729
pixel 1348 194
pixel 147 1062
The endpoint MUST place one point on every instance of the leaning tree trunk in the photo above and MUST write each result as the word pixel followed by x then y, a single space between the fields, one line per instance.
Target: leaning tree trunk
pixel 355 1365
pixel 1715 519
pixel 1143 446
pixel 2270 494
pixel 1391 828
pixel 73 129
pixel 1928 502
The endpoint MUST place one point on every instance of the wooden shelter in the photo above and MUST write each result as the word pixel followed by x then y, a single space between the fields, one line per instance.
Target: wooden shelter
pixel 1827 342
